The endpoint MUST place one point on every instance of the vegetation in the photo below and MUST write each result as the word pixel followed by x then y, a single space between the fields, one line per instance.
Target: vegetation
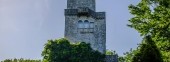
pixel 62 51
pixel 110 52
pixel 20 60
pixel 128 56
pixel 148 52
pixel 152 17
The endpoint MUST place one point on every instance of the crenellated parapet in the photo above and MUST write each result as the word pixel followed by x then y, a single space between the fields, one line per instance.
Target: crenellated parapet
pixel 69 12
pixel 84 11
pixel 100 15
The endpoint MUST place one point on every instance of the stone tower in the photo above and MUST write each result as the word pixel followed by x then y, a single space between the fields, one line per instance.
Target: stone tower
pixel 84 24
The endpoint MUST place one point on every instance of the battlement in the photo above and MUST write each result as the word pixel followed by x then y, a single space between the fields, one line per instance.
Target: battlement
pixel 85 11
pixel 70 12
pixel 100 15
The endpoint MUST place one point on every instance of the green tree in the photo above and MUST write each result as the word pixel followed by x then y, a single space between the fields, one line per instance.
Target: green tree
pixel 62 51
pixel 148 52
pixel 152 17
pixel 129 55
pixel 121 59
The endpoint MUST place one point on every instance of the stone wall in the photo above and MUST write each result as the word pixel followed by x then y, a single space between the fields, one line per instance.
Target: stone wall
pixel 74 4
pixel 85 10
pixel 111 58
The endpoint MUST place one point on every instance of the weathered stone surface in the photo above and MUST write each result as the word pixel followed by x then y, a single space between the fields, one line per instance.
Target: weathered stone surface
pixel 85 10
pixel 111 58
pixel 74 4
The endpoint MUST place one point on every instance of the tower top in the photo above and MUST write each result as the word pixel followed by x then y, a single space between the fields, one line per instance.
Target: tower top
pixel 84 24
pixel 74 4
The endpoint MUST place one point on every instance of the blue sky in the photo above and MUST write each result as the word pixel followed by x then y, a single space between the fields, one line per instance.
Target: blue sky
pixel 26 25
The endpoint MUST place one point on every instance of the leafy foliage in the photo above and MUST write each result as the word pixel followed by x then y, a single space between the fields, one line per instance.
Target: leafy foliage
pixel 62 51
pixel 121 59
pixel 148 52
pixel 20 60
pixel 152 17
pixel 128 55
pixel 110 52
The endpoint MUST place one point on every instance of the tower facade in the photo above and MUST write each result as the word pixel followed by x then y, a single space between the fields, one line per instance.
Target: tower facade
pixel 84 24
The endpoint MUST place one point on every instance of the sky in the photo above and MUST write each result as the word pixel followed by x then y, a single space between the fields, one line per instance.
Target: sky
pixel 26 25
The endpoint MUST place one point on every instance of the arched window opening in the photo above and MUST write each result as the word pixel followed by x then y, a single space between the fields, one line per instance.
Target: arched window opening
pixel 91 27
pixel 86 24
pixel 80 24
pixel 91 24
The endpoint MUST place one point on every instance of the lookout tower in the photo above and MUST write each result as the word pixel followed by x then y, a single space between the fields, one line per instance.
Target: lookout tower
pixel 84 24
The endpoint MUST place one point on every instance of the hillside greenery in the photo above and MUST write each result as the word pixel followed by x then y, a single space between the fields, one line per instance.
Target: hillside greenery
pixel 61 50
pixel 20 60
